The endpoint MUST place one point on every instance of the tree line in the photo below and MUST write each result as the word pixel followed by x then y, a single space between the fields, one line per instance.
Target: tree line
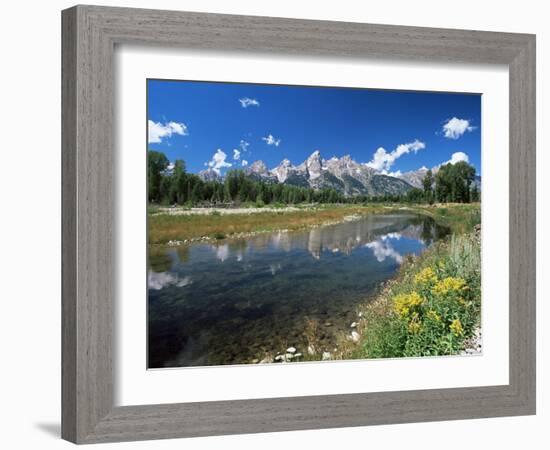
pixel 174 185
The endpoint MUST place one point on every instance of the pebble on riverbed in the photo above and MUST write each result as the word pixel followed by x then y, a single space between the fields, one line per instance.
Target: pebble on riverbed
pixel 289 355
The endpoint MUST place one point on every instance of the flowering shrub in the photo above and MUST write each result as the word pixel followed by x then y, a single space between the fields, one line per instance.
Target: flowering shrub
pixel 406 304
pixel 449 285
pixel 426 277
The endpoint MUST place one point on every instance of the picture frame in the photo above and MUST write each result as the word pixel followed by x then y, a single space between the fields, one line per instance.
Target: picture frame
pixel 89 37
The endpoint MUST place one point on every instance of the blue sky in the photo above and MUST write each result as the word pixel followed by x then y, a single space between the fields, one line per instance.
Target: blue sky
pixel 217 124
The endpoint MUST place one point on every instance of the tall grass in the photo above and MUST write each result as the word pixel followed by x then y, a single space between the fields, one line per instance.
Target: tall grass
pixel 461 218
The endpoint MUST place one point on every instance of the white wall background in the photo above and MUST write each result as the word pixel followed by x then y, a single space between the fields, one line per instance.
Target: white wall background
pixel 30 222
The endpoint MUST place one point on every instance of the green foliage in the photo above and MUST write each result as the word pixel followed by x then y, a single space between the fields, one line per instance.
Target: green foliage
pixel 415 195
pixel 156 165
pixel 427 185
pixel 453 182
pixel 474 196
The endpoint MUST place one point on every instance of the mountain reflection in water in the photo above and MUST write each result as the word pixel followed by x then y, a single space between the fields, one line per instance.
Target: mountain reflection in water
pixel 229 303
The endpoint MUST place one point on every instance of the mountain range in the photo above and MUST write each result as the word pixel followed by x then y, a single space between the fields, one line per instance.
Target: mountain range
pixel 342 174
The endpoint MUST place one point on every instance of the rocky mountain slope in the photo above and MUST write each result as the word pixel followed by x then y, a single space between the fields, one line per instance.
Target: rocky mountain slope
pixel 415 177
pixel 342 174
pixel 210 175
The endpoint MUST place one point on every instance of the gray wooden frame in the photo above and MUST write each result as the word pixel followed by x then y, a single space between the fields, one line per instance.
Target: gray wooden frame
pixel 89 37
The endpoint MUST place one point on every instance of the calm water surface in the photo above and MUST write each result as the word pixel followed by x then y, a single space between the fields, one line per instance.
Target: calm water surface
pixel 232 302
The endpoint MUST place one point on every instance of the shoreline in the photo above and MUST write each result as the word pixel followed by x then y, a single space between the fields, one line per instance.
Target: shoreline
pixel 212 225
pixel 352 341
pixel 244 235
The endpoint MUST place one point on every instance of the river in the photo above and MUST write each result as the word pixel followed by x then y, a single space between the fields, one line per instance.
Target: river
pixel 234 301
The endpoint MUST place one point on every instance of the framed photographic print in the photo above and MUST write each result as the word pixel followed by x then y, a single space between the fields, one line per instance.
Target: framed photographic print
pixel 268 222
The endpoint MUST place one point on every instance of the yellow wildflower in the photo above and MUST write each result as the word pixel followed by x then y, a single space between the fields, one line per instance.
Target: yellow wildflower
pixel 434 316
pixel 456 327
pixel 404 303
pixel 425 277
pixel 449 284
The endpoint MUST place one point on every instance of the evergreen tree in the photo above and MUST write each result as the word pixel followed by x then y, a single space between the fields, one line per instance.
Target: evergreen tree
pixel 427 184
pixel 157 163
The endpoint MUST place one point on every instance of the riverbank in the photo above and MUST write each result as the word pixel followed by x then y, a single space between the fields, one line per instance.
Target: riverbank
pixel 174 226
pixel 195 225
pixel 432 307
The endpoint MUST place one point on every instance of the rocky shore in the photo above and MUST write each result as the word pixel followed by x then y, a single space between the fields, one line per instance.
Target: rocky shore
pixel 182 211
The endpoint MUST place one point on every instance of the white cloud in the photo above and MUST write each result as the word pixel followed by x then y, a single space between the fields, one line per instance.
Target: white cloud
pixel 271 140
pixel 218 161
pixel 393 235
pixel 244 163
pixel 244 145
pixel 397 173
pixel 382 160
pixel 246 102
pixel 160 280
pixel 236 154
pixel 457 157
pixel 455 127
pixel 159 131
pixel 383 249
